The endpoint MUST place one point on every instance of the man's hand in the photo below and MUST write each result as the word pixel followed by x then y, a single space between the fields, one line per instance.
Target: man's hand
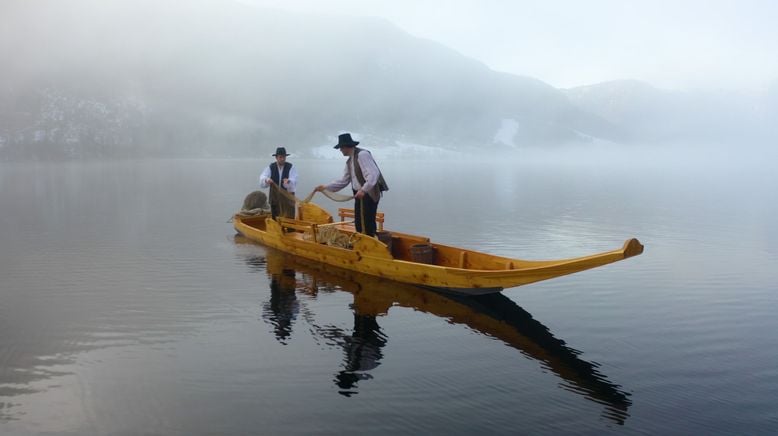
pixel 320 188
pixel 359 194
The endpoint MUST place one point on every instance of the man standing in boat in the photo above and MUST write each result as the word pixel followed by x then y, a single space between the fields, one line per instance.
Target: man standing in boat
pixel 281 177
pixel 366 181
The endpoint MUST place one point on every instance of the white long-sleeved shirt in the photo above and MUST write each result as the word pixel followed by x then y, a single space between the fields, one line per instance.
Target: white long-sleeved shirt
pixel 290 186
pixel 369 171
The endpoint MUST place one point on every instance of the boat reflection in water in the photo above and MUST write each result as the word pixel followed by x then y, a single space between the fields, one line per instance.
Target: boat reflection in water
pixel 493 315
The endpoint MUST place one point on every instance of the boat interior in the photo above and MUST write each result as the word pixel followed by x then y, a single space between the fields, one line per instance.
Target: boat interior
pixel 314 224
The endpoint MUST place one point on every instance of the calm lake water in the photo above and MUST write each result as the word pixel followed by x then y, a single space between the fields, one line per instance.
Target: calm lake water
pixel 128 305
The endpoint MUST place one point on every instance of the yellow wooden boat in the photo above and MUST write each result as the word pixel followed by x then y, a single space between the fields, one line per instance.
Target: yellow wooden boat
pixel 408 258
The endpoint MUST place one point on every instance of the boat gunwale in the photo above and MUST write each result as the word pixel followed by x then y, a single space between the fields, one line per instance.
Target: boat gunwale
pixel 482 280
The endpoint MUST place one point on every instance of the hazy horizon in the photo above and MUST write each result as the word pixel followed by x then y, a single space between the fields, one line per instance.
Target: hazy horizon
pixel 216 78
pixel 671 45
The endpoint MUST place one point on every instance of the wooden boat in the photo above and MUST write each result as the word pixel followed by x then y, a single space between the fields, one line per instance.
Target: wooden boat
pixel 409 258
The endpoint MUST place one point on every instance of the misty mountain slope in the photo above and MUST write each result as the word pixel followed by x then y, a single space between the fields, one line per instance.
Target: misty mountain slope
pixel 649 114
pixel 208 77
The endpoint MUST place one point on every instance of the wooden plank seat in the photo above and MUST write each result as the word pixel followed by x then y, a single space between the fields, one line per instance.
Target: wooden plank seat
pixel 300 225
pixel 310 230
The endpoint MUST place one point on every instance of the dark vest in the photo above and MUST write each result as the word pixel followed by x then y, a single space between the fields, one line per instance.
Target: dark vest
pixel 380 185
pixel 278 177
pixel 274 195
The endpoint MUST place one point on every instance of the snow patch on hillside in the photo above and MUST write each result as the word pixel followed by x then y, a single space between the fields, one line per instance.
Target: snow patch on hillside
pixel 507 132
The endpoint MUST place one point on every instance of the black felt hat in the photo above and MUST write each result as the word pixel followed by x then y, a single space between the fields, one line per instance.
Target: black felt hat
pixel 281 151
pixel 345 140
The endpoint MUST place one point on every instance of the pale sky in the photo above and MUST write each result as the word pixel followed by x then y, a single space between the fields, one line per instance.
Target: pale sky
pixel 677 44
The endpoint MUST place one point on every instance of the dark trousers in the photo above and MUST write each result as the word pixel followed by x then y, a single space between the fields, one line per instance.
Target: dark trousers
pixel 366 208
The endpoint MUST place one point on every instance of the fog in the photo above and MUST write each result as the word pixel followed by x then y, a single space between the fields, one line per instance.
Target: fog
pixel 567 43
pixel 90 79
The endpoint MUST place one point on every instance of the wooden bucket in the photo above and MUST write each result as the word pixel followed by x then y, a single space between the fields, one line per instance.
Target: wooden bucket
pixel 385 237
pixel 423 253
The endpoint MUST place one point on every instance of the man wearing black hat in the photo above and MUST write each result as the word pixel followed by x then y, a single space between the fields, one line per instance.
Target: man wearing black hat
pixel 366 181
pixel 280 175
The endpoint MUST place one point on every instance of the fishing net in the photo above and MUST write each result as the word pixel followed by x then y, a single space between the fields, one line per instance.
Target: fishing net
pixel 332 236
pixel 329 194
pixel 255 203
pixel 287 201
pixel 284 201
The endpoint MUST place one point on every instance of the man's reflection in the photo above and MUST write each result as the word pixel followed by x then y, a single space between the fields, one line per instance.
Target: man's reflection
pixel 362 353
pixel 283 307
pixel 361 347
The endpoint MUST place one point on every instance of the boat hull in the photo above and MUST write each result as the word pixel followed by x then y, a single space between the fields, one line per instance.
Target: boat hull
pixel 456 270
